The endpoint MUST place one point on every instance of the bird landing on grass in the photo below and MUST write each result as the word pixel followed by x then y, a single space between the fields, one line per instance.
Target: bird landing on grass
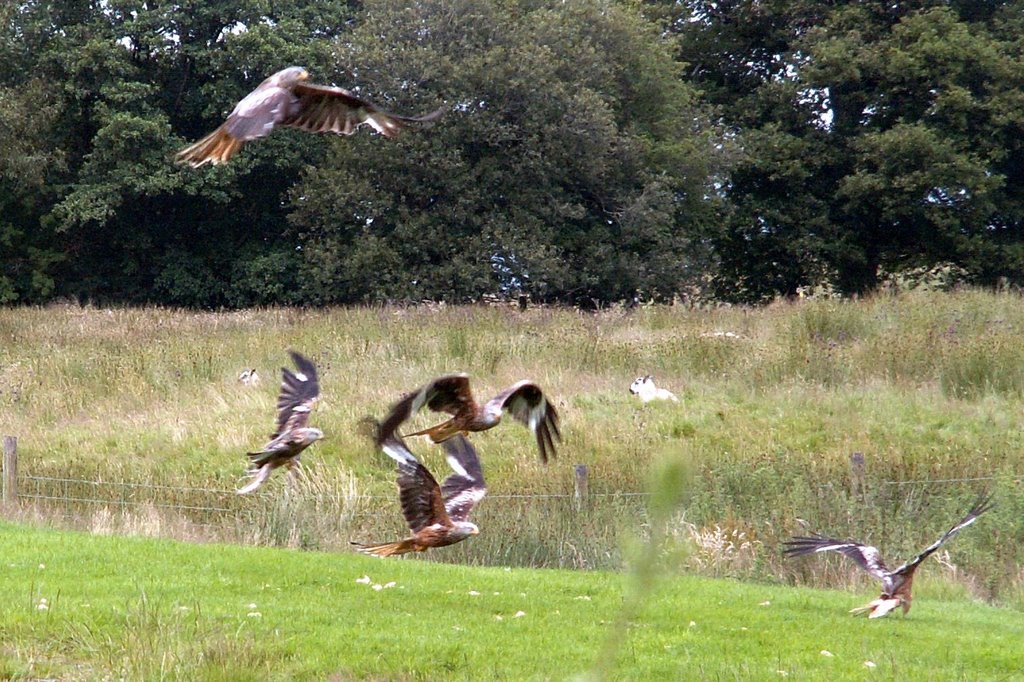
pixel 896 584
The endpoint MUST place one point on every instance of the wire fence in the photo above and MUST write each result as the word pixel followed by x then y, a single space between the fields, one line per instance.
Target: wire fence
pixel 580 528
pixel 206 505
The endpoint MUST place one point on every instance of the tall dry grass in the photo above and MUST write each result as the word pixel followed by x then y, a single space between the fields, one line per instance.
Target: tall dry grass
pixel 928 386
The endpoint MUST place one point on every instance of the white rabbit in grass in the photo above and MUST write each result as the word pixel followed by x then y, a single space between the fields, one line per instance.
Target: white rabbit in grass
pixel 645 388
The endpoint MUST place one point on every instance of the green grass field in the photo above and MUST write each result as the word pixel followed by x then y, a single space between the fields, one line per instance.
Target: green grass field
pixel 142 407
pixel 81 607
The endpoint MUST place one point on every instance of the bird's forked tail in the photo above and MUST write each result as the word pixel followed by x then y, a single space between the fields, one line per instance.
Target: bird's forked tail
pixel 388 548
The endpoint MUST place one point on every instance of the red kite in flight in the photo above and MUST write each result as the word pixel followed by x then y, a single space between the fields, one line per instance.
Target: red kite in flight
pixel 286 99
pixel 895 584
pixel 299 392
pixel 451 394
pixel 437 515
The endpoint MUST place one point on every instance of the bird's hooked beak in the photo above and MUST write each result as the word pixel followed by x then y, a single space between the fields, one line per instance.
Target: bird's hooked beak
pixel 303 75
pixel 475 531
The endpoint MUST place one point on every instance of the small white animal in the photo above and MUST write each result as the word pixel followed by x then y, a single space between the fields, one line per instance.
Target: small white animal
pixel 645 388
pixel 249 377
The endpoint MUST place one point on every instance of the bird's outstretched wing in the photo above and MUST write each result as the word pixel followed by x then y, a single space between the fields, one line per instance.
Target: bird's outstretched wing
pixel 449 394
pixel 418 491
pixel 525 401
pixel 983 504
pixel 865 556
pixel 464 489
pixel 325 109
pixel 299 392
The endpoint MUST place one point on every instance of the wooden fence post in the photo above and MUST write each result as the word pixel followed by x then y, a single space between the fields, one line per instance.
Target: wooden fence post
pixel 581 485
pixel 10 470
pixel 856 473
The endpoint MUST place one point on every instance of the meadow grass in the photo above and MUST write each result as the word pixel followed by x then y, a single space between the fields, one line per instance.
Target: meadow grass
pixel 75 606
pixel 928 386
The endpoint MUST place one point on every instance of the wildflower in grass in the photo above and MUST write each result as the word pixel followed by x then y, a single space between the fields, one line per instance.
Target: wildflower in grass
pixel 473 593
pixel 42 605
pixel 365 580
pixel 519 614
pixel 870 664
pixel 827 653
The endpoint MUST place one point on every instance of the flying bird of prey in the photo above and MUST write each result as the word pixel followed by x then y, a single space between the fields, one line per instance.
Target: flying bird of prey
pixel 286 99
pixel 895 584
pixel 299 392
pixel 451 394
pixel 437 515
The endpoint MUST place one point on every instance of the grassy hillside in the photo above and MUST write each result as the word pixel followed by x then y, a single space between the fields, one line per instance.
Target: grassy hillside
pixel 927 386
pixel 83 607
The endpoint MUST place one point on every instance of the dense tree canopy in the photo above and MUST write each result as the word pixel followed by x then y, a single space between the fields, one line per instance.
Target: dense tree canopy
pixel 573 162
pixel 590 151
pixel 876 137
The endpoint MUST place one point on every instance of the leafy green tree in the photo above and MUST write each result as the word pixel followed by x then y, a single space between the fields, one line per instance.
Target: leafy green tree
pixel 876 136
pixel 572 163
pixel 121 78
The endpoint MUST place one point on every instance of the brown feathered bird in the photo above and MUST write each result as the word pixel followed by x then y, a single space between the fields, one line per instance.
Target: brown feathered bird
pixel 451 394
pixel 895 584
pixel 299 393
pixel 437 515
pixel 286 99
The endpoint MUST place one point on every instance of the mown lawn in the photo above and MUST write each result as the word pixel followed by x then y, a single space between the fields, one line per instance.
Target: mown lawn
pixel 145 609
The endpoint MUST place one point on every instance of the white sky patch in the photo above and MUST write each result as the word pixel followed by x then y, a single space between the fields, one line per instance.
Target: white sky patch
pixel 237 28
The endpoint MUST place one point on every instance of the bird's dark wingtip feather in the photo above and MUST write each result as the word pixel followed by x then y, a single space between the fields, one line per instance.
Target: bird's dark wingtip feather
pixel 805 544
pixel 983 504
pixel 304 364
